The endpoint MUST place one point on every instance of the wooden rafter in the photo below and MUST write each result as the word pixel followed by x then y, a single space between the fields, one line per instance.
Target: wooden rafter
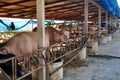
pixel 59 9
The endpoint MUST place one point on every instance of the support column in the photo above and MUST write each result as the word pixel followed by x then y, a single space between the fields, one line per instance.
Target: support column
pixel 110 19
pixel 32 23
pixel 41 34
pixel 82 53
pixel 64 22
pixel 106 24
pixel 52 22
pixel 118 23
pixel 99 22
pixel 85 30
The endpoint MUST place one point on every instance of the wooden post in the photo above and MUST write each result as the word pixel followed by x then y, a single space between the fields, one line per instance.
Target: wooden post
pixel 85 29
pixel 64 22
pixel 110 19
pixel 99 22
pixel 106 24
pixel 72 22
pixel 113 21
pixel 52 22
pixel 116 22
pixel 32 23
pixel 41 34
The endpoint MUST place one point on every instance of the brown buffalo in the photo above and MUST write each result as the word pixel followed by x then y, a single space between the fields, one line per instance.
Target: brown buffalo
pixel 54 35
pixel 27 41
pixel 20 43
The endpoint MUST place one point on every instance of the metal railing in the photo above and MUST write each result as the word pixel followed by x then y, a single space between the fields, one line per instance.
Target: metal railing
pixel 52 53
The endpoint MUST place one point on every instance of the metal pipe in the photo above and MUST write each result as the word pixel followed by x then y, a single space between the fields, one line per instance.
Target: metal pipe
pixel 78 49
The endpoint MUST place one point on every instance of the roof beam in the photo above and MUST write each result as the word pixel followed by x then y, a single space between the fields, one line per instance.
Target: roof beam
pixel 96 4
pixel 15 3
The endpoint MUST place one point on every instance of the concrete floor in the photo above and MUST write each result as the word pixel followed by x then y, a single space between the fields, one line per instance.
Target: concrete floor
pixel 99 68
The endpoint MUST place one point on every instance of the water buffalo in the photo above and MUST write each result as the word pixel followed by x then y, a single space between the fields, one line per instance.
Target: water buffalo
pixel 27 41
pixel 19 43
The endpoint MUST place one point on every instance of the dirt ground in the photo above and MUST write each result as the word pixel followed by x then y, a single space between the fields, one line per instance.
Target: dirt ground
pixel 98 68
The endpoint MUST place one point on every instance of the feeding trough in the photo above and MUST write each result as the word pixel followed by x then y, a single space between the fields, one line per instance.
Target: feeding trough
pixel 109 38
pixel 102 40
pixel 53 66
pixel 82 54
pixel 92 47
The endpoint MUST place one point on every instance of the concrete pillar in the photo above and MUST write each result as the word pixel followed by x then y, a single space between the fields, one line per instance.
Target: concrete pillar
pixel 41 34
pixel 106 19
pixel 99 22
pixel 92 46
pixel 32 23
pixel 85 30
pixel 82 55
pixel 99 26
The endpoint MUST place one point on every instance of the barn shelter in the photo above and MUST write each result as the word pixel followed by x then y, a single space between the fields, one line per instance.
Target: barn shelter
pixel 78 10
pixel 62 10
pixel 67 9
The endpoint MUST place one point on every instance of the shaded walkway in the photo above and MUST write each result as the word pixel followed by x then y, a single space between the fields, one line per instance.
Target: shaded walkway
pixel 99 68
pixel 112 47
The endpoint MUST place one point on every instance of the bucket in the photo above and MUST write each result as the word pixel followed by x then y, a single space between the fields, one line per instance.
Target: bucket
pixel 109 38
pixel 113 35
pixel 94 47
pixel 117 31
pixel 53 66
pixel 82 53
pixel 103 40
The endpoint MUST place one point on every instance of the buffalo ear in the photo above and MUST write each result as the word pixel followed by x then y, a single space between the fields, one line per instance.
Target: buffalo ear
pixel 3 50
